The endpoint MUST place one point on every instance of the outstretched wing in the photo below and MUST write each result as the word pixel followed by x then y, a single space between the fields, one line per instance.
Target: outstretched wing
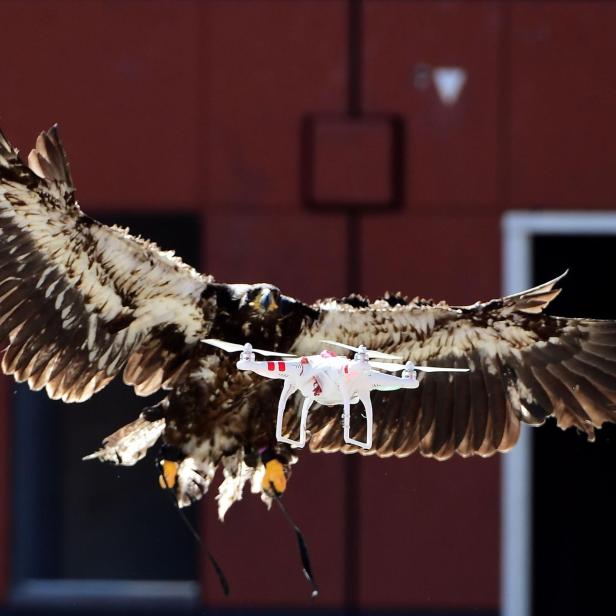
pixel 79 300
pixel 524 366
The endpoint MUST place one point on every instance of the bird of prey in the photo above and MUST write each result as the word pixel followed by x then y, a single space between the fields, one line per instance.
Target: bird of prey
pixel 81 302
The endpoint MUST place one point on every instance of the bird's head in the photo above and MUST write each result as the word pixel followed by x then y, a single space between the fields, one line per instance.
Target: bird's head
pixel 265 302
pixel 262 299
pixel 257 313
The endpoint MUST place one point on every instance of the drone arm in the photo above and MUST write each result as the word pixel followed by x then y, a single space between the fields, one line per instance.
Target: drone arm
pixel 389 382
pixel 270 369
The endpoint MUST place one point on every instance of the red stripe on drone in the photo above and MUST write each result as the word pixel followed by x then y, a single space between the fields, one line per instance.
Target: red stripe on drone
pixel 271 365
pixel 281 366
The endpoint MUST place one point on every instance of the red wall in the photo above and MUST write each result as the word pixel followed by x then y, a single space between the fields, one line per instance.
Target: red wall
pixel 198 106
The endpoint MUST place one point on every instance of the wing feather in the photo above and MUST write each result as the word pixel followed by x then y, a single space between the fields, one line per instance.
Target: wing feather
pixel 462 403
pixel 394 410
pixel 79 299
pixel 443 434
pixel 497 403
pixel 600 379
pixel 524 366
pixel 428 403
pixel 406 439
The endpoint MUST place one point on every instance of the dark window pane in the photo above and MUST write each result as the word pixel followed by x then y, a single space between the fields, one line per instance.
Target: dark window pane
pixel 574 479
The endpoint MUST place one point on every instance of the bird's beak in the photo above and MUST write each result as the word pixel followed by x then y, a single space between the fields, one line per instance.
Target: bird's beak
pixel 267 301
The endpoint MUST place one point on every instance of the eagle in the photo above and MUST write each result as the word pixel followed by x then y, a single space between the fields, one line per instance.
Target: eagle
pixel 82 302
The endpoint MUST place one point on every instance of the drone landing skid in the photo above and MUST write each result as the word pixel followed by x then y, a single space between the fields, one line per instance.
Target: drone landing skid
pixel 364 398
pixel 287 390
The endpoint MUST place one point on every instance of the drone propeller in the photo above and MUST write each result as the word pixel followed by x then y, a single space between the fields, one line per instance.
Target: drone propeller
pixel 387 367
pixel 231 347
pixel 369 353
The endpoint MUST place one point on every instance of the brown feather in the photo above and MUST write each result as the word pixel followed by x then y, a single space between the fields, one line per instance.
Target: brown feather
pixel 496 401
pixel 479 403
pixel 595 375
pixel 462 403
pixel 442 436
pixel 428 397
pixel 565 407
pixel 385 434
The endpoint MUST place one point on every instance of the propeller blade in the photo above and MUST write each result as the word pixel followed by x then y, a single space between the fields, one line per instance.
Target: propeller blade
pixel 435 369
pixel 369 353
pixel 229 347
pixel 391 367
pixel 232 347
pixel 272 353
pixel 386 367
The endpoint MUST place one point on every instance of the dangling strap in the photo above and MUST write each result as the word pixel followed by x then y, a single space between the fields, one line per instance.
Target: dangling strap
pixel 303 550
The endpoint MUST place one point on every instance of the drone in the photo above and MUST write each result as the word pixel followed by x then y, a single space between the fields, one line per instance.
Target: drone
pixel 329 379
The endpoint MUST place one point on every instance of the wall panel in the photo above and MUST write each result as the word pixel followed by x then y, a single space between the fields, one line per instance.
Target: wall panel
pixel 303 254
pixel 563 95
pixel 268 63
pixel 452 151
pixel 430 530
pixel 121 79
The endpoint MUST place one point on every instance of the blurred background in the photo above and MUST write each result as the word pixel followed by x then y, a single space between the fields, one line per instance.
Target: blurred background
pixel 324 146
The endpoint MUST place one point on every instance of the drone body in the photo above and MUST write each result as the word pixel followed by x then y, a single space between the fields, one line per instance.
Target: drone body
pixel 329 380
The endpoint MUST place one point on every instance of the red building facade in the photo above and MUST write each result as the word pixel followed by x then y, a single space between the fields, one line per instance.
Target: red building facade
pixel 202 107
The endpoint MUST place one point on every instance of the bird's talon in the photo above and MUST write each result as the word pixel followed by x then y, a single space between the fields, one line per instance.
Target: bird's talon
pixel 274 479
pixel 168 475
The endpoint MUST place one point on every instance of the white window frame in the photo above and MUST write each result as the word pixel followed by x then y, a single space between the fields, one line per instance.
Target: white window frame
pixel 518 230
pixel 106 595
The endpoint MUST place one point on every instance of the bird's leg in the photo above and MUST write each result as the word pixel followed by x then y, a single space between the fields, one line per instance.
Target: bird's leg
pixel 156 412
pixel 168 481
pixel 287 390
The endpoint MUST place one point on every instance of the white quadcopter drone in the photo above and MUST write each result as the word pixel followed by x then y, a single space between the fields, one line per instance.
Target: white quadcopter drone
pixel 329 379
